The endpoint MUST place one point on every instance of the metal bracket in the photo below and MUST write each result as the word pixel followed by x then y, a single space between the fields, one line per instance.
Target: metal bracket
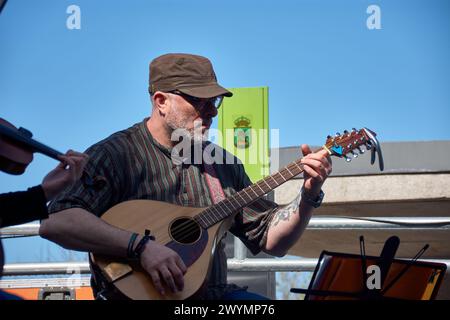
pixel 375 148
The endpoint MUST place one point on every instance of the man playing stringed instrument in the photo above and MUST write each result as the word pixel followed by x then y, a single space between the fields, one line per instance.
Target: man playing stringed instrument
pixel 137 163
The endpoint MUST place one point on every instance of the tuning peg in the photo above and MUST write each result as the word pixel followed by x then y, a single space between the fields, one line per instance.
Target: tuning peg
pixel 348 159
pixel 337 134
pixel 355 155
pixel 361 151
pixel 329 137
pixel 354 130
pixel 346 132
pixel 368 145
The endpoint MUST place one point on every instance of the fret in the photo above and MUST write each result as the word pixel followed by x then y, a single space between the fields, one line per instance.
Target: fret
pixel 298 166
pixel 232 200
pixel 296 171
pixel 225 204
pixel 225 209
pixel 257 184
pixel 213 215
pixel 276 182
pixel 249 198
pixel 200 220
pixel 207 223
pixel 267 184
pixel 279 173
pixel 239 194
pixel 287 168
pixel 204 216
pixel 215 218
pixel 222 212
pixel 287 174
pixel 251 188
pixel 232 205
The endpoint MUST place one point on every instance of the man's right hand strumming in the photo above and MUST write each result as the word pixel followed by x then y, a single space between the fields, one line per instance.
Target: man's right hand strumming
pixel 164 266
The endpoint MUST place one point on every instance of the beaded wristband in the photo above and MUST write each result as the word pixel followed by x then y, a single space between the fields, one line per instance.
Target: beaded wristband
pixel 141 245
pixel 130 253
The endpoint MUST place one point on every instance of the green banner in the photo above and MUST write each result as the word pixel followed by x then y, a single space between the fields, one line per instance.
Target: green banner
pixel 244 124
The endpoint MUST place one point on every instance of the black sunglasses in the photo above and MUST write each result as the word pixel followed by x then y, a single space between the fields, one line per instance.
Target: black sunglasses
pixel 200 102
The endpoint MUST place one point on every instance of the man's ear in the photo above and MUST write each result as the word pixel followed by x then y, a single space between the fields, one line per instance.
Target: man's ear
pixel 161 102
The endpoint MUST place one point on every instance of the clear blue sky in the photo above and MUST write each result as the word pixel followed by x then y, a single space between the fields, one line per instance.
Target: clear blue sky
pixel 326 71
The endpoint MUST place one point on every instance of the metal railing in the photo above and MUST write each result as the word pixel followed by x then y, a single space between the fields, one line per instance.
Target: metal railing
pixel 316 223
pixel 240 262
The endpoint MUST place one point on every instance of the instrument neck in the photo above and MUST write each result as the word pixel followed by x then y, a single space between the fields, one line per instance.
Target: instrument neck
pixel 33 145
pixel 246 196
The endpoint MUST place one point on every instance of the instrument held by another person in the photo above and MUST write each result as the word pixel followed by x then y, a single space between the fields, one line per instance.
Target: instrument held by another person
pixel 16 152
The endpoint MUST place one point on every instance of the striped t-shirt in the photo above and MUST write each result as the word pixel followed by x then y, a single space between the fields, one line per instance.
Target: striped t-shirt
pixel 136 166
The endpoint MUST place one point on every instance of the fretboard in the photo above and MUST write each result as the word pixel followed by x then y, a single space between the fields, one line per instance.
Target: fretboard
pixel 246 196
pixel 32 144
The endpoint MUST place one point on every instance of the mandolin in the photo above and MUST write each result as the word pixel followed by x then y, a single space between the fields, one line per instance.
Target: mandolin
pixel 194 232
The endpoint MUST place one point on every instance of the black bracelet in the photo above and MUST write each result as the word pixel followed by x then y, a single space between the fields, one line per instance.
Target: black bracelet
pixel 141 245
pixel 131 245
pixel 312 202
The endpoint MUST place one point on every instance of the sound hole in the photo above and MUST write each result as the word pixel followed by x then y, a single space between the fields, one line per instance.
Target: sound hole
pixel 185 230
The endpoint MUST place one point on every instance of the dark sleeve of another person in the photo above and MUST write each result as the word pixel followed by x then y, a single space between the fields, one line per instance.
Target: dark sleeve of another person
pixel 23 206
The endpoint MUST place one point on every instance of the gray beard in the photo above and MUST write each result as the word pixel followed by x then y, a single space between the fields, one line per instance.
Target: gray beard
pixel 194 134
pixel 191 135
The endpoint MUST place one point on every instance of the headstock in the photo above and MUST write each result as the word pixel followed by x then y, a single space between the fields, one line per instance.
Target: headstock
pixel 344 145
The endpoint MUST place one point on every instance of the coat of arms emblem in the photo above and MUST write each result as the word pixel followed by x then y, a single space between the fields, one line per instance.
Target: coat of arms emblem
pixel 242 133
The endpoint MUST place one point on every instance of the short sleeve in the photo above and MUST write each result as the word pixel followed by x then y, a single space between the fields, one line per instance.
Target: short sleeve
pixel 251 225
pixel 93 198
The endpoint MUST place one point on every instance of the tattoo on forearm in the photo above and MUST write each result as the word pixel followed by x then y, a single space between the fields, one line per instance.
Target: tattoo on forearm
pixel 285 213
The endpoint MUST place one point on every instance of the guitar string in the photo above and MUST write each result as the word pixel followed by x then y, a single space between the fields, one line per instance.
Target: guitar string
pixel 187 229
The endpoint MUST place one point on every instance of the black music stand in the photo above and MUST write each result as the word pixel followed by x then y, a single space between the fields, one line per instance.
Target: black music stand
pixel 341 276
